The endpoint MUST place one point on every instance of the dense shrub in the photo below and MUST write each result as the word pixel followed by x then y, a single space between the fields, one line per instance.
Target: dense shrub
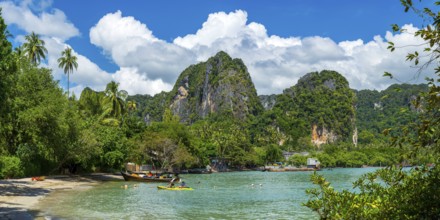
pixel 10 167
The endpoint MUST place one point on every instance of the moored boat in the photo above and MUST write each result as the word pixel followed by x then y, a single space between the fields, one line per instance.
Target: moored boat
pixel 143 178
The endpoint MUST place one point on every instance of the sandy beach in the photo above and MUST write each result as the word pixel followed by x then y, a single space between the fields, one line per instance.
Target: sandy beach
pixel 19 197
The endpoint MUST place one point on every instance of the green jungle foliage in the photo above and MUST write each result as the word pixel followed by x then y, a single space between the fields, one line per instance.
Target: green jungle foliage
pixel 150 108
pixel 377 111
pixel 10 167
pixel 90 102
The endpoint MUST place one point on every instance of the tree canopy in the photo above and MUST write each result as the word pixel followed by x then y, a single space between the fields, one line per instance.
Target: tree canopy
pixel 34 48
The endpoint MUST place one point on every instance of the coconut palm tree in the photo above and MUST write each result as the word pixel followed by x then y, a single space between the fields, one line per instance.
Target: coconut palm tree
pixel 19 55
pixel 34 48
pixel 19 51
pixel 131 105
pixel 67 62
pixel 114 100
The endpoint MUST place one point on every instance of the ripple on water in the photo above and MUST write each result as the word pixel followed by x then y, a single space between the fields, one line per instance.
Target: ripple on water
pixel 215 196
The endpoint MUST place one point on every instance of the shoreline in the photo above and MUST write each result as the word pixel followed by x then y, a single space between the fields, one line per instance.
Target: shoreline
pixel 19 197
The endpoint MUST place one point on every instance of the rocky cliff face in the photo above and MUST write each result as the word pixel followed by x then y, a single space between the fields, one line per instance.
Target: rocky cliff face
pixel 320 135
pixel 221 85
pixel 268 101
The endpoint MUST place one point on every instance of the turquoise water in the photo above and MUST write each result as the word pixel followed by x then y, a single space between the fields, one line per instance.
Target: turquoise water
pixel 273 195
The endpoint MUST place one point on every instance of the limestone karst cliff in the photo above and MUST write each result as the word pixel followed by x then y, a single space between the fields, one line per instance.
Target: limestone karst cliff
pixel 221 85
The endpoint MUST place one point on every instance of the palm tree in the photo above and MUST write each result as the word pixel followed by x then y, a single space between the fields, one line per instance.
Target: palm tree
pixel 19 55
pixel 131 105
pixel 34 48
pixel 19 51
pixel 67 62
pixel 114 101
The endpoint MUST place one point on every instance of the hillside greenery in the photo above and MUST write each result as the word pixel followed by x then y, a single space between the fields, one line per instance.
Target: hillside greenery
pixel 323 99
pixel 377 111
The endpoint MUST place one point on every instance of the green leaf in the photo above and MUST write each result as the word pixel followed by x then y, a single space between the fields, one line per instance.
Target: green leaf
pixel 387 74
pixel 395 27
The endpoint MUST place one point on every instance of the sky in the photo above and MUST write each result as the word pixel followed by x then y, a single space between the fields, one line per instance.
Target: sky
pixel 145 45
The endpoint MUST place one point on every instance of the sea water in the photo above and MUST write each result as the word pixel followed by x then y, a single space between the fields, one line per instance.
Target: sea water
pixel 233 195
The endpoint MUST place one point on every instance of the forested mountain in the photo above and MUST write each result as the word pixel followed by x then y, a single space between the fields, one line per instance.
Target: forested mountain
pixel 376 111
pixel 221 86
pixel 151 108
pixel 321 108
pixel 318 109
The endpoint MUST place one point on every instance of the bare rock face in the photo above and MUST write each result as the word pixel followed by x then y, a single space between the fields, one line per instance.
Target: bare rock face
pixel 219 86
pixel 180 100
pixel 268 101
pixel 320 135
pixel 355 137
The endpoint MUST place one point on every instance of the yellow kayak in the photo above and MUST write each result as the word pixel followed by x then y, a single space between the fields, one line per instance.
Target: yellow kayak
pixel 174 188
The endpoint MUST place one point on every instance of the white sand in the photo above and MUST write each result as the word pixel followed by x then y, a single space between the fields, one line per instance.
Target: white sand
pixel 19 197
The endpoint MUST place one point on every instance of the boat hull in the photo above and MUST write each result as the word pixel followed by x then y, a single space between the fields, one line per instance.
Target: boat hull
pixel 130 177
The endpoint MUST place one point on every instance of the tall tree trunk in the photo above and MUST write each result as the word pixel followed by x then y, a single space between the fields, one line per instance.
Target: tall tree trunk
pixel 68 93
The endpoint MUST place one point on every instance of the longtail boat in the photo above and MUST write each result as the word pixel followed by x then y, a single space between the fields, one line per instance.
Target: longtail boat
pixel 143 178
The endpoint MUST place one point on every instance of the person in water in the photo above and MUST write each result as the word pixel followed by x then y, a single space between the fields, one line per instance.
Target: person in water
pixel 182 184
pixel 174 180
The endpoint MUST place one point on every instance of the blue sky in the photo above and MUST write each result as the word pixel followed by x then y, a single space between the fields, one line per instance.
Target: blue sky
pixel 145 45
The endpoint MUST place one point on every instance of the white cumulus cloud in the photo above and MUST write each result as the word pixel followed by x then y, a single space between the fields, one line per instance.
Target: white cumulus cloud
pixel 134 82
pixel 130 44
pixel 54 23
pixel 87 74
pixel 149 65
